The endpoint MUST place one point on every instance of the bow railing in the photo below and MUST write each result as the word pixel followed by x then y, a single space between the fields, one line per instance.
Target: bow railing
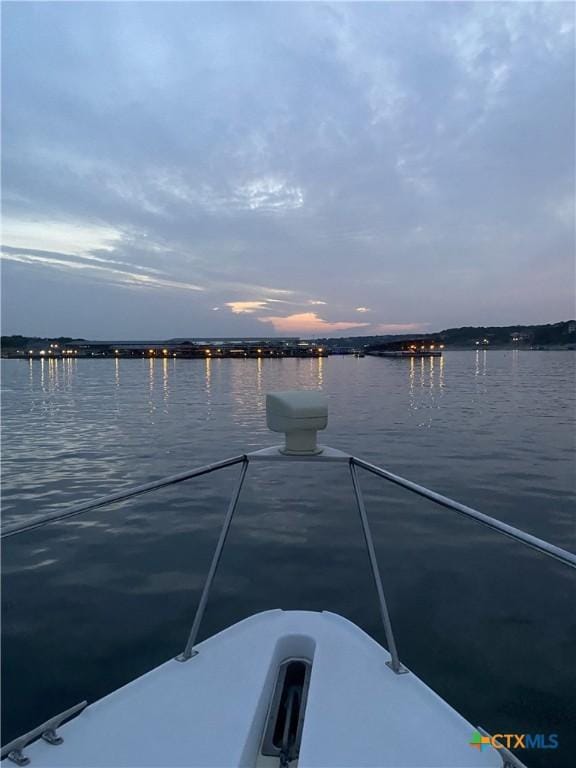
pixel 276 454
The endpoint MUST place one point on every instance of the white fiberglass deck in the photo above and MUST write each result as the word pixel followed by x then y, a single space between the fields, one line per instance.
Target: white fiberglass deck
pixel 210 711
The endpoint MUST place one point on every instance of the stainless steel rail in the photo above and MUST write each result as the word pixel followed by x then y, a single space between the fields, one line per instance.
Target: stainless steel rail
pixel 189 651
pixel 568 558
pixel 394 664
pixel 129 493
pixel 527 539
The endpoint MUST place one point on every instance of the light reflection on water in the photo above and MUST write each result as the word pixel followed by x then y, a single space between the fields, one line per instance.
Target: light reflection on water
pixel 125 423
pixel 425 388
pixel 492 429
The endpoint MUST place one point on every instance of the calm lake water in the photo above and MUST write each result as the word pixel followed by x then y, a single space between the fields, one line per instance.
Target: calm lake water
pixel 94 602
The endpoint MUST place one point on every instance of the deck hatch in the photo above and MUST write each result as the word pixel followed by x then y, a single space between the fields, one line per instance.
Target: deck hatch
pixel 283 731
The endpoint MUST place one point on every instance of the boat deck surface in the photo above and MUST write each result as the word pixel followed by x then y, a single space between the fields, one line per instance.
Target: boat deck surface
pixel 209 712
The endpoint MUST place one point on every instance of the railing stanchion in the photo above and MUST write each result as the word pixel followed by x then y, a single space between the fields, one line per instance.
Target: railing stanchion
pixel 394 664
pixel 189 651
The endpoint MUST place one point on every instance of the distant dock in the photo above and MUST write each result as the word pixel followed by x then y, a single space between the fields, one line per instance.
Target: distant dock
pixel 408 348
pixel 402 353
pixel 184 350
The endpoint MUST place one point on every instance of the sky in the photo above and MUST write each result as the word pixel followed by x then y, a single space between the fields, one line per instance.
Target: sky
pixel 292 169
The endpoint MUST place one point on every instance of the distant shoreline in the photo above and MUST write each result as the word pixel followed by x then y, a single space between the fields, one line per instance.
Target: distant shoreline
pixel 7 355
pixel 552 336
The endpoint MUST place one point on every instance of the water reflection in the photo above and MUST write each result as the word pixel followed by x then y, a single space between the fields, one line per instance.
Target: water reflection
pixel 208 375
pixel 247 390
pixel 165 387
pixel 411 399
pixel 65 445
pixel 69 369
pixel 480 372
pixel 259 375
pixel 425 387
pixel 53 374
pixel 320 372
pixel 151 374
pixel 481 359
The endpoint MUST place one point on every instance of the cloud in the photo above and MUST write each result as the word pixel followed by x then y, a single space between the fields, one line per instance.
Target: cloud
pixel 246 307
pixel 269 194
pixel 266 194
pixel 363 309
pixel 54 235
pixel 88 269
pixel 256 289
pixel 329 149
pixel 308 323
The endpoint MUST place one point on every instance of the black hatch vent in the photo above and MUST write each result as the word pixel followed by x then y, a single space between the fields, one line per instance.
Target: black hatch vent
pixel 283 730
